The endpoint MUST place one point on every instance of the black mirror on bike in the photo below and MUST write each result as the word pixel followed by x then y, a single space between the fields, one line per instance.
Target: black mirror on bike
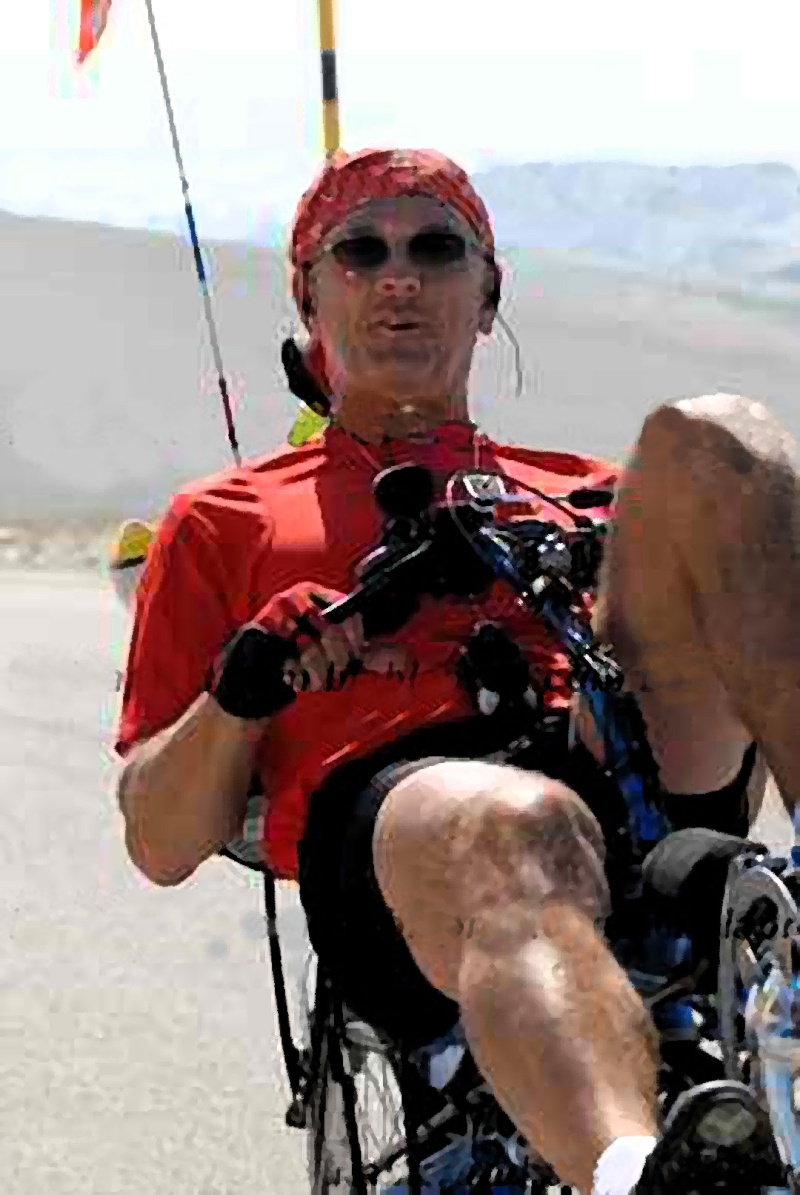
pixel 404 491
pixel 588 499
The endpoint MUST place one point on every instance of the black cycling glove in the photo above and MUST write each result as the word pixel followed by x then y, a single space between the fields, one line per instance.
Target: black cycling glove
pixel 247 680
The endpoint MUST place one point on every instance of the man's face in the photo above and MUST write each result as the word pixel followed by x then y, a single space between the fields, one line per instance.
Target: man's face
pixel 398 296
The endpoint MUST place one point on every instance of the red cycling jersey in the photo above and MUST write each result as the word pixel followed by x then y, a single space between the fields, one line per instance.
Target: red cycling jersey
pixel 230 542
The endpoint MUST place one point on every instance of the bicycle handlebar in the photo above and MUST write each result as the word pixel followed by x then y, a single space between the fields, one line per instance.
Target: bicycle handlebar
pixel 459 548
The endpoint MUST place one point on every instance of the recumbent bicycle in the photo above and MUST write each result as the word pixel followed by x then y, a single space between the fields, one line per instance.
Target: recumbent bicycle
pixel 728 1007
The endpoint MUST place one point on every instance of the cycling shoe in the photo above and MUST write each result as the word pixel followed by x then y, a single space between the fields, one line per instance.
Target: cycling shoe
pixel 716 1138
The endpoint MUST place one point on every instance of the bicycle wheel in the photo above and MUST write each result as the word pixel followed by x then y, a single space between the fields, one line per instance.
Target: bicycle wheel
pixel 759 929
pixel 454 1146
pixel 356 1142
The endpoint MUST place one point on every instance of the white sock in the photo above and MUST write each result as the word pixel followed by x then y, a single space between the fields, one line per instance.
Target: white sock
pixel 620 1167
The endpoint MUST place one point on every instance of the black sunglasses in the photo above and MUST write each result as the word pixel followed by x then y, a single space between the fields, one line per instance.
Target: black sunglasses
pixel 432 249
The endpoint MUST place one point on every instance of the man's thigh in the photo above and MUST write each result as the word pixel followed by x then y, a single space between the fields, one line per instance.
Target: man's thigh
pixel 350 926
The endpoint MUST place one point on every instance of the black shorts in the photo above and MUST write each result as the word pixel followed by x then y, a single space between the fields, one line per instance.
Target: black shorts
pixel 350 926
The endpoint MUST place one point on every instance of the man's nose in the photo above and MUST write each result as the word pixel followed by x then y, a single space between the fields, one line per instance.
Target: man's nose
pixel 402 288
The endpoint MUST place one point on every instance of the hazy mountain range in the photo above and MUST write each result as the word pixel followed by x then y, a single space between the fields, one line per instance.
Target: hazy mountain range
pixel 108 396
pixel 739 222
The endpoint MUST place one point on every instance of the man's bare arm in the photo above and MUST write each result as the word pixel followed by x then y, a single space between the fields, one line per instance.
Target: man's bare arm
pixel 183 792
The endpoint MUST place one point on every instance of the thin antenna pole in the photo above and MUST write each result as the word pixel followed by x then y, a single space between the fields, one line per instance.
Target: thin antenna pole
pixel 198 257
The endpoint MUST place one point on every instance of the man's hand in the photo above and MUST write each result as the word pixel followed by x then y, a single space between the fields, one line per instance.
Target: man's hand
pixel 287 648
pixel 327 651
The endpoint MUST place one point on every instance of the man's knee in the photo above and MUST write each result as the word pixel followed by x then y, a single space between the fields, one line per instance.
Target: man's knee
pixel 532 843
pixel 717 432
pixel 733 483
pixel 483 838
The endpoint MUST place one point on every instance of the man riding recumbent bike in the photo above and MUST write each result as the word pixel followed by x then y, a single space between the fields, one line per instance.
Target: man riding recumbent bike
pixel 704 923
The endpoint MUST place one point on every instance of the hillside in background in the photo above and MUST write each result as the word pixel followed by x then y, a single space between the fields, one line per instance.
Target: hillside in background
pixel 739 223
pixel 108 398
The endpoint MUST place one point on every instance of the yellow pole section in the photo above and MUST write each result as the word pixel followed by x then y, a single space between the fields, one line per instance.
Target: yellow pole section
pixel 309 425
pixel 330 93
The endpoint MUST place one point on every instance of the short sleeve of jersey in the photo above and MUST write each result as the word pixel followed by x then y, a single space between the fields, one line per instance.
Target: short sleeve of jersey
pixel 182 619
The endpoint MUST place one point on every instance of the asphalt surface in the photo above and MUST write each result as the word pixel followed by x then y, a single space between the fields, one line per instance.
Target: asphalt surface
pixel 138 1049
pixel 138 1046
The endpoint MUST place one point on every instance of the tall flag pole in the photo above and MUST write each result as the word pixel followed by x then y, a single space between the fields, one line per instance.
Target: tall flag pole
pixel 93 20
pixel 205 289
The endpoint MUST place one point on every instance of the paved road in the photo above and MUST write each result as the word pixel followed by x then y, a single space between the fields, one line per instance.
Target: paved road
pixel 137 1043
pixel 137 1048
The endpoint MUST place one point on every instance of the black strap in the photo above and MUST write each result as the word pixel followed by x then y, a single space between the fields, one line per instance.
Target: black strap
pixel 291 1056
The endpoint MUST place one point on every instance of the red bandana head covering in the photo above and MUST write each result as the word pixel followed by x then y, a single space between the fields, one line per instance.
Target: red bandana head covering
pixel 349 180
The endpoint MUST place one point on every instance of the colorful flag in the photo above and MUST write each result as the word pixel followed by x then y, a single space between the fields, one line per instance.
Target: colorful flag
pixel 94 18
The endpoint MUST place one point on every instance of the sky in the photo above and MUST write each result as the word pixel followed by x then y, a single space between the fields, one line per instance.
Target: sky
pixel 688 81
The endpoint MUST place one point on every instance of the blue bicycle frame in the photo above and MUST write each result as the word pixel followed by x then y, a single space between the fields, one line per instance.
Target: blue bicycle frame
pixel 598 680
pixel 652 956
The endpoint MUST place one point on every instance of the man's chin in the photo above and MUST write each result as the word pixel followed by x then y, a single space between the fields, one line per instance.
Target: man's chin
pixel 405 379
pixel 412 356
pixel 407 394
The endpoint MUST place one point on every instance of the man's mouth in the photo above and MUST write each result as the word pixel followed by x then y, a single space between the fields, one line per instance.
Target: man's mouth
pixel 398 327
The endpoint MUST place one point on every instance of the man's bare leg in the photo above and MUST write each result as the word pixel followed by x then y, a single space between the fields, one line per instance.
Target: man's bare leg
pixel 495 877
pixel 700 591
